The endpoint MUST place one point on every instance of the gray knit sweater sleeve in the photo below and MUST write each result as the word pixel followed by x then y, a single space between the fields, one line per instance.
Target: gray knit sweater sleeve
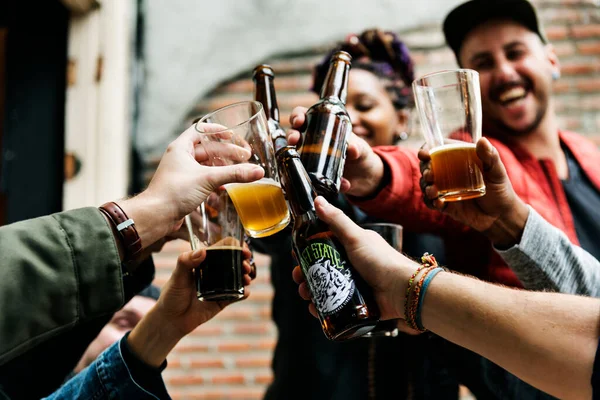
pixel 546 260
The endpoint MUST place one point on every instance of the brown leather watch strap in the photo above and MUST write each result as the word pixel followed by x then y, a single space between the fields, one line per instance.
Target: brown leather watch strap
pixel 132 244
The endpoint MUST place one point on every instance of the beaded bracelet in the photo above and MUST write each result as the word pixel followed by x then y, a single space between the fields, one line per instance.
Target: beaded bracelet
pixel 426 283
pixel 427 260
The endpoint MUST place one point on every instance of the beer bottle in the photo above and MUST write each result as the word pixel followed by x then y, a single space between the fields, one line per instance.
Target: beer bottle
pixel 264 92
pixel 344 302
pixel 323 150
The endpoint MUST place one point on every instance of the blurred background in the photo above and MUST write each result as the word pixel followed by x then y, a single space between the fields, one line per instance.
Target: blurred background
pixel 92 91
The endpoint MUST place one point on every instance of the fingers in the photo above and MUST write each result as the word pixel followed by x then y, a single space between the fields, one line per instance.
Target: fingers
pixel 339 223
pixel 298 275
pixel 303 291
pixel 293 138
pixel 493 169
pixel 356 147
pixel 298 117
pixel 240 173
pixel 191 259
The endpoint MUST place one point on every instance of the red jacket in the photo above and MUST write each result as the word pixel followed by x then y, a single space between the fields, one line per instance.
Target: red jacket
pixel 535 181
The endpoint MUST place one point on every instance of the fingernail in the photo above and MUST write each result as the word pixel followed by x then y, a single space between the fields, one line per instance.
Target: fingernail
pixel 292 120
pixel 197 253
pixel 322 202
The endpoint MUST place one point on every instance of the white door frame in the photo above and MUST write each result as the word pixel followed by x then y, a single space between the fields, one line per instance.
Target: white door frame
pixel 97 120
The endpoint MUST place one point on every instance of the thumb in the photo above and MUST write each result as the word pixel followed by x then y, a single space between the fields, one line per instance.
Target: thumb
pixel 493 169
pixel 342 227
pixel 239 173
pixel 185 263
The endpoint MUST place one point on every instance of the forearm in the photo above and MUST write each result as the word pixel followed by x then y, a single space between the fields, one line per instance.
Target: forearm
pixel 545 259
pixel 153 339
pixel 548 340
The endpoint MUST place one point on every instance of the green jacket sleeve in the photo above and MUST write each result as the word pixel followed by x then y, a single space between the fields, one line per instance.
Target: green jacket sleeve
pixel 55 272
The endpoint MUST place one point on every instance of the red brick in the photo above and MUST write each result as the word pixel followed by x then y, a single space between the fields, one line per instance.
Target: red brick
pixel 186 380
pixel 265 312
pixel 585 31
pixel 207 363
pixel 589 85
pixel 561 86
pixel 590 103
pixel 191 348
pixel 577 68
pixel 234 347
pixel 176 395
pixel 165 261
pixel 238 312
pixel 266 344
pixel 160 280
pixel 564 49
pixel 589 47
pixel 175 247
pixel 557 32
pixel 229 379
pixel 211 395
pixel 560 15
pixel 173 363
pixel 246 394
pixel 295 65
pixel 208 330
pixel 254 361
pixel 251 329
pixel 261 294
pixel 263 379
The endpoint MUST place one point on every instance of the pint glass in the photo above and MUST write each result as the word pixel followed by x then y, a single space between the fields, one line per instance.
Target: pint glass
pixel 239 133
pixel 449 106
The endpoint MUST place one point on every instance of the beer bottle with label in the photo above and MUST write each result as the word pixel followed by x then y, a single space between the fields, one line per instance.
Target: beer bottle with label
pixel 323 150
pixel 264 92
pixel 344 302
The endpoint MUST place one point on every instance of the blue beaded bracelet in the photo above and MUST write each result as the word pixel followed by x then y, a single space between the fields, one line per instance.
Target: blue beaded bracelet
pixel 428 280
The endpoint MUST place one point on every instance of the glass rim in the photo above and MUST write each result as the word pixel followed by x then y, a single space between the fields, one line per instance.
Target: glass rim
pixel 443 72
pixel 232 105
pixel 388 224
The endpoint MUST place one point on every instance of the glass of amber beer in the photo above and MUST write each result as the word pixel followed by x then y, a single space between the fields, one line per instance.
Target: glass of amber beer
pixel 216 226
pixel 449 106
pixel 239 133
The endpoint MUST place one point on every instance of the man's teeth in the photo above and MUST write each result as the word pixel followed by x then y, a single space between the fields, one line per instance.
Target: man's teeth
pixel 512 94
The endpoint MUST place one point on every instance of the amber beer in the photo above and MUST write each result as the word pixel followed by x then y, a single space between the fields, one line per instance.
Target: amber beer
pixel 260 205
pixel 219 276
pixel 264 92
pixel 344 302
pixel 457 171
pixel 323 150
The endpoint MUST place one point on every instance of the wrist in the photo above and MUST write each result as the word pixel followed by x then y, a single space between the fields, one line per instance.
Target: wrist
pixel 152 219
pixel 508 228
pixel 153 339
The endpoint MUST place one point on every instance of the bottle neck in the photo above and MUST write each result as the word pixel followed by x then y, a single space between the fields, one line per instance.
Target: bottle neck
pixel 296 183
pixel 336 81
pixel 265 94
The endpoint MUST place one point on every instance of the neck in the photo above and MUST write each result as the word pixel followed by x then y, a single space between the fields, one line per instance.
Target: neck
pixel 544 143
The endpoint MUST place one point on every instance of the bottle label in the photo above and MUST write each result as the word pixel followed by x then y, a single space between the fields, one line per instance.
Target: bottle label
pixel 328 278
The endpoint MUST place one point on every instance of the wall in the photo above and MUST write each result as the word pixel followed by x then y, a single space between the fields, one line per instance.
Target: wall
pixel 229 358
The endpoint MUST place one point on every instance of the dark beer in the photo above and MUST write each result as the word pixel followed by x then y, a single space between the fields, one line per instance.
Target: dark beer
pixel 264 92
pixel 457 172
pixel 219 276
pixel 344 302
pixel 328 125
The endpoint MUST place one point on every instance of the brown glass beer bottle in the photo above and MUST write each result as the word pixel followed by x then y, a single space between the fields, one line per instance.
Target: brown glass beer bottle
pixel 344 302
pixel 264 92
pixel 328 125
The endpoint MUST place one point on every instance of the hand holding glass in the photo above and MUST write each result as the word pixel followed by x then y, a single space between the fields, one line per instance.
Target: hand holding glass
pixel 449 105
pixel 236 134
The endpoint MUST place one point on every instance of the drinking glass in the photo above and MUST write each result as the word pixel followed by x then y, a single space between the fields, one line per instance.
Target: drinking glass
pixel 449 106
pixel 215 225
pixel 239 133
pixel 392 233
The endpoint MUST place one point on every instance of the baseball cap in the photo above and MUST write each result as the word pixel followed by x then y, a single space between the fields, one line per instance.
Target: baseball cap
pixel 467 16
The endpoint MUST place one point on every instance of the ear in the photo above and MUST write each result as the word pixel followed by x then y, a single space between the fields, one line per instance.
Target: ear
pixel 403 117
pixel 553 59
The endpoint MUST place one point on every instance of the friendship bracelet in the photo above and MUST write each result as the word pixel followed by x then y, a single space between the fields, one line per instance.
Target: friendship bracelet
pixel 427 260
pixel 412 311
pixel 426 283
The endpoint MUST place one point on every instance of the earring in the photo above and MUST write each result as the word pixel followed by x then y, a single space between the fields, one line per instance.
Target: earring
pixel 555 75
pixel 399 136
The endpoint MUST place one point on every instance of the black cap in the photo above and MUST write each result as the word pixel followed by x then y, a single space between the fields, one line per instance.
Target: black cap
pixel 467 16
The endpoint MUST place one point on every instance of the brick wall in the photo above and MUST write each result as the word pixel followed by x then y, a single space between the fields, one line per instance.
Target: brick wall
pixel 229 358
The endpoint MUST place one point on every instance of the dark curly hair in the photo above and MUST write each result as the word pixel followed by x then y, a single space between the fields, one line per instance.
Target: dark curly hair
pixel 382 54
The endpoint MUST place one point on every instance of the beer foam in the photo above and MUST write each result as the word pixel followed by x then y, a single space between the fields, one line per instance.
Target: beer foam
pixel 224 247
pixel 449 146
pixel 263 181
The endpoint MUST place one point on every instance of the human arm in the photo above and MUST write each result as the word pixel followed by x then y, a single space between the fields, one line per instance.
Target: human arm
pixel 541 256
pixel 65 269
pixel 547 339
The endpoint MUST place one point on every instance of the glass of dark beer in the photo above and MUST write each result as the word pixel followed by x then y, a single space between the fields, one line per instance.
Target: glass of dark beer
pixel 449 106
pixel 392 233
pixel 216 226
pixel 239 133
